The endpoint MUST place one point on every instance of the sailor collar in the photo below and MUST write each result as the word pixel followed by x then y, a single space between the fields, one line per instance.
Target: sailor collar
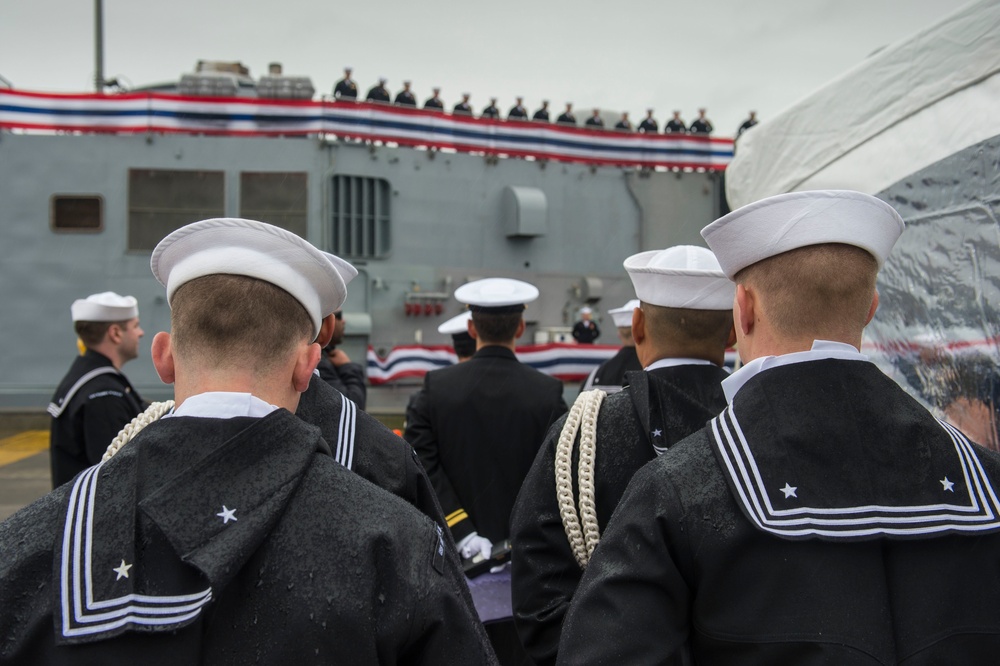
pixel 213 514
pixel 791 459
pixel 821 349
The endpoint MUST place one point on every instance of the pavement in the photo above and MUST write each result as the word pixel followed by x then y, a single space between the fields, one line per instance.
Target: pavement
pixel 24 470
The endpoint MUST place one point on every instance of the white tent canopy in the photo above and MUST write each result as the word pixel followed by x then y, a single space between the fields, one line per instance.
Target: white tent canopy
pixel 903 108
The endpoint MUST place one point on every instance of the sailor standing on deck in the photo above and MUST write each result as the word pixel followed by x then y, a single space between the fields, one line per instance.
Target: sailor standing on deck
pixel 480 423
pixel 608 376
pixel 346 88
pixel 94 400
pixel 585 331
pixel 681 330
pixel 226 532
pixel 825 517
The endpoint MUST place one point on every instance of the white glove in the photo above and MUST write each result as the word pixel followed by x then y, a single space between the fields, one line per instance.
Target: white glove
pixel 472 544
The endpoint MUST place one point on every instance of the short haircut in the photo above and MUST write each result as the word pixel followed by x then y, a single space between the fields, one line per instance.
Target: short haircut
pixel 91 333
pixel 695 330
pixel 817 290
pixel 464 345
pixel 222 320
pixel 496 328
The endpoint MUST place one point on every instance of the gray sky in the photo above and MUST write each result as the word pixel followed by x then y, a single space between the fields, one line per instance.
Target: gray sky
pixel 727 55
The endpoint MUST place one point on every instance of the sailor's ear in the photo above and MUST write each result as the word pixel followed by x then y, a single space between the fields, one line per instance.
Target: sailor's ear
pixel 732 336
pixel 520 329
pixel 326 329
pixel 470 326
pixel 305 362
pixel 638 326
pixel 872 309
pixel 115 333
pixel 744 311
pixel 162 352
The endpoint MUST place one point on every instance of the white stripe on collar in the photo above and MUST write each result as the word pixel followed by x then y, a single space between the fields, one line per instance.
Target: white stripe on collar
pixel 673 362
pixel 222 405
pixel 821 349
pixel 346 432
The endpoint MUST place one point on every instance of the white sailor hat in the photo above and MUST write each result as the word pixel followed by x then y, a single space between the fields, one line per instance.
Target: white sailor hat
pixel 786 222
pixel 456 325
pixel 586 310
pixel 683 276
pixel 623 316
pixel 255 249
pixel 106 306
pixel 346 270
pixel 496 294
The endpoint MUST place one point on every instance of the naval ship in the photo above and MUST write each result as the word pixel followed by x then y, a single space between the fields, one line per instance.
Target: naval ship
pixel 419 201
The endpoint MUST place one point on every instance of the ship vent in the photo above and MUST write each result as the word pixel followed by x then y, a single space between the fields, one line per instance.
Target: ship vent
pixel 524 211
pixel 361 220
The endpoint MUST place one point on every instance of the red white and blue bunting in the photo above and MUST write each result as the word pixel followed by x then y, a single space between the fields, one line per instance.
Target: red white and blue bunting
pixel 565 361
pixel 568 362
pixel 133 113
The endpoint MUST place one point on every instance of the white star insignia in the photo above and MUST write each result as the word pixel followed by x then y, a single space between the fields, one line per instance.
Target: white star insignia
pixel 657 432
pixel 122 570
pixel 947 485
pixel 227 515
pixel 789 490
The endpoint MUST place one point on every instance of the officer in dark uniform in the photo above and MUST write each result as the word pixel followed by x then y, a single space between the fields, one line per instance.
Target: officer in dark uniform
pixel 675 125
pixel 405 97
pixel 624 124
pixel 379 93
pixel 346 88
pixel 95 400
pixel 479 424
pixel 517 112
pixel 747 124
pixel 542 114
pixel 434 101
pixel 811 520
pixel 203 541
pixel 585 331
pixel 595 119
pixel 701 124
pixel 463 108
pixel 682 328
pixel 491 111
pixel 567 117
pixel 610 374
pixel 649 124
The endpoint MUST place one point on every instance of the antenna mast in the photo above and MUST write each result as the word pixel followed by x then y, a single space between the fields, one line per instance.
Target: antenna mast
pixel 99 45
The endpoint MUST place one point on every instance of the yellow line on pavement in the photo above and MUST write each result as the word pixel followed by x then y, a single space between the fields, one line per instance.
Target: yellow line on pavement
pixel 23 445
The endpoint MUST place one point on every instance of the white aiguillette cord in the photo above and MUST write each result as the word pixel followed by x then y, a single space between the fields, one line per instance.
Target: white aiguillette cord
pixel 583 418
pixel 152 413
